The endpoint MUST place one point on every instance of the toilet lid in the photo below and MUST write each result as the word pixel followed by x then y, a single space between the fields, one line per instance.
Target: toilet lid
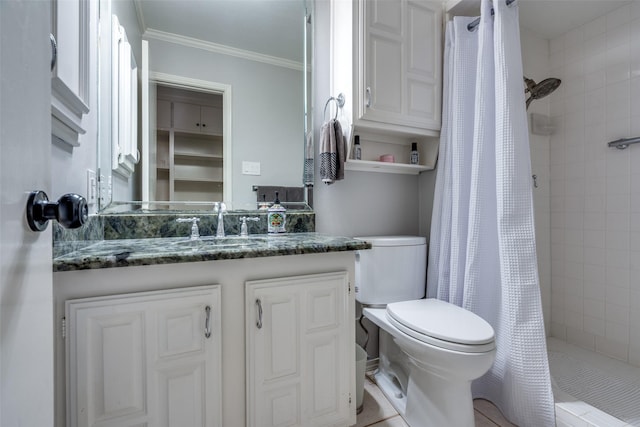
pixel 431 319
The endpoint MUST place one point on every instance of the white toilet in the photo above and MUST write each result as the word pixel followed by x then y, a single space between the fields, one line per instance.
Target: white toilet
pixel 430 350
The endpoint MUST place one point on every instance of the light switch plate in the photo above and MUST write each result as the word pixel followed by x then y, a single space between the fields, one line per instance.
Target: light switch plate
pixel 92 187
pixel 250 168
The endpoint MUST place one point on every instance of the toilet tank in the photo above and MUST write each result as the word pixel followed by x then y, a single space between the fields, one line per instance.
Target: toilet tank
pixel 394 269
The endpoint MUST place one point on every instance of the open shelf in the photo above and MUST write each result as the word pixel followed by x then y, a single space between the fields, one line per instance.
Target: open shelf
pixel 373 166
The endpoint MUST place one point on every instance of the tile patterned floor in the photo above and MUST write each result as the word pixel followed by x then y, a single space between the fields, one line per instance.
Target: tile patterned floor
pixel 378 412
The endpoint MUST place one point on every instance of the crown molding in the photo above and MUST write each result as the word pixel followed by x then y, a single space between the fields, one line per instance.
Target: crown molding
pixel 151 33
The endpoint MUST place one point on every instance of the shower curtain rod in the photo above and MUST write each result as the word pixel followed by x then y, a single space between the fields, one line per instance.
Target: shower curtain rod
pixel 474 24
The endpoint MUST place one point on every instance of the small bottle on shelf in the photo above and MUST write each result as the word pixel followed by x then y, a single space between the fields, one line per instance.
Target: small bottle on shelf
pixel 357 150
pixel 414 159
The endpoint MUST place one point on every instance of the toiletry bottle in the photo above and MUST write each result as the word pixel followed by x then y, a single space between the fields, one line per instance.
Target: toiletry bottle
pixel 357 150
pixel 263 205
pixel 415 156
pixel 276 217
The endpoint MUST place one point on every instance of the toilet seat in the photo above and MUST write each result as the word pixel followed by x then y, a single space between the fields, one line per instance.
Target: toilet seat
pixel 442 324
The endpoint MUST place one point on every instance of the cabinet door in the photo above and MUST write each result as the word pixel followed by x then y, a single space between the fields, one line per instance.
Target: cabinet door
pixel 186 117
pixel 401 58
pixel 163 118
pixel 146 359
pixel 73 29
pixel 211 120
pixel 298 360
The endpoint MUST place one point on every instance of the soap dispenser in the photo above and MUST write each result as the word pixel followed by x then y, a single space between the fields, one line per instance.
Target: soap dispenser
pixel 276 217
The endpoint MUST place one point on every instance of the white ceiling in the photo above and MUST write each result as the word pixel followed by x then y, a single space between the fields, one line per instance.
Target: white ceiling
pixel 269 27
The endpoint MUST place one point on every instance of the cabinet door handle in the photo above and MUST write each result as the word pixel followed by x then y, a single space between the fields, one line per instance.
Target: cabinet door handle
pixel 198 124
pixel 207 322
pixel 259 322
pixel 368 96
pixel 54 51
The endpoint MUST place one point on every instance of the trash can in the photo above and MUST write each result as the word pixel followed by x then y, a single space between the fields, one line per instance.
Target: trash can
pixel 361 365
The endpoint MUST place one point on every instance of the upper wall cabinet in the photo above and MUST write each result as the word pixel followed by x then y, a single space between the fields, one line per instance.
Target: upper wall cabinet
pixel 71 31
pixel 388 56
pixel 399 68
pixel 197 119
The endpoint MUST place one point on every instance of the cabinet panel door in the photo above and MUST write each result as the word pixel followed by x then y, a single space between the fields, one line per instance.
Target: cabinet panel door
pixel 73 22
pixel 163 118
pixel 186 117
pixel 211 120
pixel 423 59
pixel 402 60
pixel 144 359
pixel 297 351
pixel 383 59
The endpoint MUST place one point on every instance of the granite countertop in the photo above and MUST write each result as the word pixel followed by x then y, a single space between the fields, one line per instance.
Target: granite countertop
pixel 134 252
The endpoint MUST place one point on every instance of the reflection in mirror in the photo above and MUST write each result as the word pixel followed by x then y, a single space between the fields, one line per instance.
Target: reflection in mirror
pixel 252 57
pixel 186 155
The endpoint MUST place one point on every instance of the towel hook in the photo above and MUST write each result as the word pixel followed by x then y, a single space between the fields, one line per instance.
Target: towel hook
pixel 339 103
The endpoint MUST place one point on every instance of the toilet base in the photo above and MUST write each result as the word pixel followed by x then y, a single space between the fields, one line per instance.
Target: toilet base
pixel 433 410
pixel 428 386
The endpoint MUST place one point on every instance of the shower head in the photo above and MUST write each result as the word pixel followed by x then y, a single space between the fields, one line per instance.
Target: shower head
pixel 540 90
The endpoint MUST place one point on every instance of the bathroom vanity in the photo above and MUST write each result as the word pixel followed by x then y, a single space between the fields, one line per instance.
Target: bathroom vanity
pixel 154 330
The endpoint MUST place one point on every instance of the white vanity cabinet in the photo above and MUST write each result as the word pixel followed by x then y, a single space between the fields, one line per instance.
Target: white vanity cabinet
pixel 399 67
pixel 323 351
pixel 298 341
pixel 150 358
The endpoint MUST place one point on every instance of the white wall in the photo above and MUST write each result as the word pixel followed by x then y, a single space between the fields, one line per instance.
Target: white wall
pixel 535 61
pixel 595 190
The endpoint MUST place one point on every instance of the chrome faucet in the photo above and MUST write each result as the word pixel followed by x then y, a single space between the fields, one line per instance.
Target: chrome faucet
pixel 195 232
pixel 220 208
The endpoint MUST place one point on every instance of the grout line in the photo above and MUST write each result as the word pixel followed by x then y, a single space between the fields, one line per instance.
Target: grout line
pixel 384 419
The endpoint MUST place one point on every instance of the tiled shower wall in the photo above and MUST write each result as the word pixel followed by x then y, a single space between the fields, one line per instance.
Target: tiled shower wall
pixel 595 190
pixel 535 61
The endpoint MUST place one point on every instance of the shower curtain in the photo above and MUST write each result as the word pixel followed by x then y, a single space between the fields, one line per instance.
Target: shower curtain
pixel 482 248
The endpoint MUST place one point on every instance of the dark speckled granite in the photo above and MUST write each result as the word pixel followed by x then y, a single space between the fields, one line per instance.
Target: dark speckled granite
pixel 141 225
pixel 67 240
pixel 134 252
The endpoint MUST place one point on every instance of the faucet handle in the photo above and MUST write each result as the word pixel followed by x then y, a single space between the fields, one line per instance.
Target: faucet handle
pixel 195 232
pixel 243 228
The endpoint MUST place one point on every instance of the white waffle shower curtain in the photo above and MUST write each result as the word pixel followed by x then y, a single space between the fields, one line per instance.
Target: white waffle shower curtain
pixel 482 251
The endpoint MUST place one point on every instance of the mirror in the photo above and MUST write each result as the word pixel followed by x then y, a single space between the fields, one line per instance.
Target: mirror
pixel 252 56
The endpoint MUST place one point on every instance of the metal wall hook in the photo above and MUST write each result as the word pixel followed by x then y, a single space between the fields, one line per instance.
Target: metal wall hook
pixel 535 180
